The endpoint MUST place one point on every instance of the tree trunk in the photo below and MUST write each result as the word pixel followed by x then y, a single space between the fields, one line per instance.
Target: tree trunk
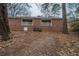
pixel 65 29
pixel 4 27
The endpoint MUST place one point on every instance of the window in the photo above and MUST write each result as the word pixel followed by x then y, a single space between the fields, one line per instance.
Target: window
pixel 46 22
pixel 27 22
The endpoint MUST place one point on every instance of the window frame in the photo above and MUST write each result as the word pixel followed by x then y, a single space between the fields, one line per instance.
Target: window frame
pixel 47 21
pixel 27 21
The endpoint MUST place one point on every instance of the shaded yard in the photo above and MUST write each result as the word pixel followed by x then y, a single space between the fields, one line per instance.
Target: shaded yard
pixel 40 43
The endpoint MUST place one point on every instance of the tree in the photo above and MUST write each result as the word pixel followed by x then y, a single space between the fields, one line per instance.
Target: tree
pixel 56 10
pixel 65 30
pixel 4 27
pixel 72 10
pixel 50 9
pixel 45 9
pixel 18 9
pixel 77 11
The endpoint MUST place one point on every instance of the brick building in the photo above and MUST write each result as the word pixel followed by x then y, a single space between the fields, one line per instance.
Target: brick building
pixel 35 24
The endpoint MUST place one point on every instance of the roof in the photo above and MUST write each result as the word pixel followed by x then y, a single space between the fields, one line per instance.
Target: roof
pixel 36 18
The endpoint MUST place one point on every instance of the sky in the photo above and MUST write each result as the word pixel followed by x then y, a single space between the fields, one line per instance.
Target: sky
pixel 35 11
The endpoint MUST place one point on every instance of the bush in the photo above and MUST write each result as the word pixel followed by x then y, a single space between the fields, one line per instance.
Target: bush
pixel 74 26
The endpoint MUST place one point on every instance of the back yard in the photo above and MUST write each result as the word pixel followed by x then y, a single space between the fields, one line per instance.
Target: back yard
pixel 40 43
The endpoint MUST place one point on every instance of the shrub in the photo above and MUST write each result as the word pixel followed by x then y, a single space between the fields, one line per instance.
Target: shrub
pixel 74 26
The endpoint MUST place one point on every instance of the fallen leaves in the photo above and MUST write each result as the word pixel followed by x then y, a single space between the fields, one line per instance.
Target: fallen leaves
pixel 40 43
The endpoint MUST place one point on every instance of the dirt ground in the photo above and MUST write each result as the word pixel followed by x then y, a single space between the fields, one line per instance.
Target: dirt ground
pixel 40 44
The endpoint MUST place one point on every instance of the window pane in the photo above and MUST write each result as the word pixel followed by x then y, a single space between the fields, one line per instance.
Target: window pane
pixel 27 22
pixel 46 22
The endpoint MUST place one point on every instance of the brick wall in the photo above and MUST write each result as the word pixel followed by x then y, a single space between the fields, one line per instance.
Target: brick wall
pixel 36 23
pixel 15 24
pixel 57 25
